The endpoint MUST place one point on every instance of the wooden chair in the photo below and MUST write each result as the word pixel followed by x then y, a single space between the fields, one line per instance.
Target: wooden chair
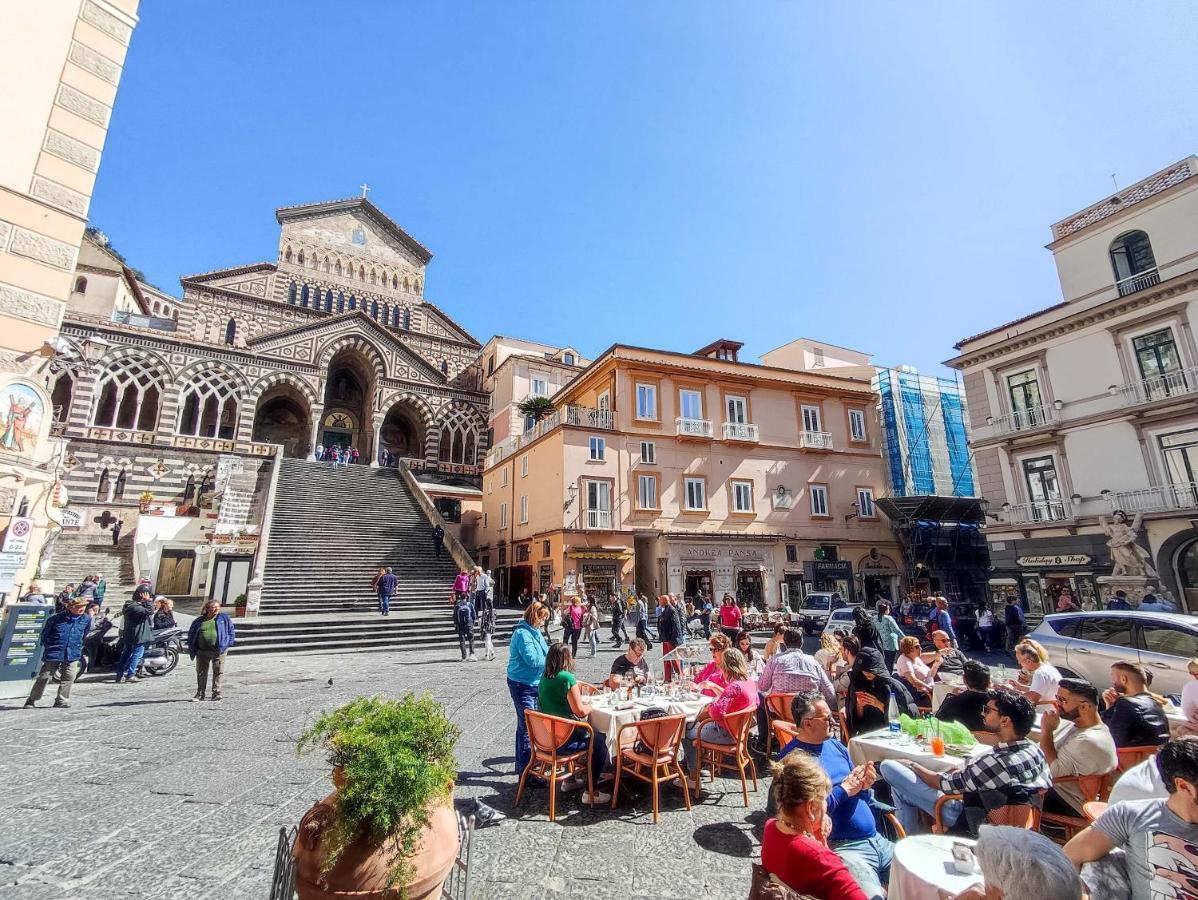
pixel 783 732
pixel 546 733
pixel 659 764
pixel 1093 788
pixel 844 726
pixel 726 757
pixel 1093 810
pixel 1133 756
pixel 1019 815
pixel 777 707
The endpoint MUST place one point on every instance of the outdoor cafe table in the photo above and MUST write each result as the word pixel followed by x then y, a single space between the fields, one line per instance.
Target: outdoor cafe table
pixel 923 867
pixel 875 746
pixel 608 714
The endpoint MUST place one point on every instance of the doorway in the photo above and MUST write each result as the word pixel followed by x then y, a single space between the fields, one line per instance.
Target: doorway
pixel 750 588
pixel 230 578
pixel 698 584
pixel 175 571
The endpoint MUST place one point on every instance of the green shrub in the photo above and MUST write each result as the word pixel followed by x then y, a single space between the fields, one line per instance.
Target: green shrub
pixel 397 758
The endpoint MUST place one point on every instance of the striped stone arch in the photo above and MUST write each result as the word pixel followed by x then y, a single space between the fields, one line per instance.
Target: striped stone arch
pixel 144 367
pixel 207 378
pixel 460 435
pixel 427 416
pixel 377 360
pixel 264 384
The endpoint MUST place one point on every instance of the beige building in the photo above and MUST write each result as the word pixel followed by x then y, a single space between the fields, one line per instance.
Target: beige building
pixel 515 370
pixel 692 473
pixel 61 62
pixel 1088 407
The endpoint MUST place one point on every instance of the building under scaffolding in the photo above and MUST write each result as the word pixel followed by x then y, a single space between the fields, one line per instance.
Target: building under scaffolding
pixel 931 489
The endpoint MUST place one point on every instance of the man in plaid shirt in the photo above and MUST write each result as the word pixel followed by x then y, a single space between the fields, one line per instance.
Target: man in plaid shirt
pixel 1013 773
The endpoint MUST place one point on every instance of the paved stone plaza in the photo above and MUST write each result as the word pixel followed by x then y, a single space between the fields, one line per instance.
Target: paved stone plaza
pixel 135 792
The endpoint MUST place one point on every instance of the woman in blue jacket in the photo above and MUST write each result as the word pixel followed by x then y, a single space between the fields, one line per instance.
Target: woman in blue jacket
pixel 526 662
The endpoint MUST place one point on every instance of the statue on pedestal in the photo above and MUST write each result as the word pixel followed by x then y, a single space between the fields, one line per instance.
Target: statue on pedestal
pixel 1127 557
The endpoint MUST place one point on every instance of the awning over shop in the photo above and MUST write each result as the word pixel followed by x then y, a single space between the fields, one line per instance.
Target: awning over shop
pixel 619 554
pixel 932 509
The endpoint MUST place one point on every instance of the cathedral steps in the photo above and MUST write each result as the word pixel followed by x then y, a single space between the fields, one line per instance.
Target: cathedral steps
pixel 75 555
pixel 331 529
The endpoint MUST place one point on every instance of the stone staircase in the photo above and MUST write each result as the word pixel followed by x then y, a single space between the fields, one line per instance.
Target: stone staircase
pixel 76 555
pixel 331 529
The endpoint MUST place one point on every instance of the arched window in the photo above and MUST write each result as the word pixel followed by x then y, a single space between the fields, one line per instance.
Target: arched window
pixel 304 296
pixel 340 301
pixel 407 319
pixel 374 310
pixel 406 286
pixel 328 300
pixel 287 254
pixel 395 316
pixel 324 264
pixel 353 302
pixel 361 273
pixel 416 286
pixel 61 396
pixel 300 259
pixel 80 285
pixel 208 406
pixel 205 485
pixel 374 279
pixel 231 332
pixel 129 395
pixel 119 492
pixel 459 439
pixel 337 268
pixel 1133 262
pixel 102 486
pixel 444 367
pixel 291 294
pixel 189 489
pixel 395 282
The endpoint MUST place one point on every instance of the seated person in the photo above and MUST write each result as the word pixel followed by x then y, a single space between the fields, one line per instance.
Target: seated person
pixel 1159 838
pixel 1003 852
pixel 966 706
pixel 794 848
pixel 854 833
pixel 914 671
pixel 710 680
pixel 1013 773
pixel 1044 677
pixel 738 694
pixel 1133 715
pixel 949 660
pixel 558 694
pixel 775 643
pixel 1082 746
pixel 632 662
pixel 867 704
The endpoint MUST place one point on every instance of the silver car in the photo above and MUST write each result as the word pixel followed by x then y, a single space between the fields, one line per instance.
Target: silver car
pixel 1084 644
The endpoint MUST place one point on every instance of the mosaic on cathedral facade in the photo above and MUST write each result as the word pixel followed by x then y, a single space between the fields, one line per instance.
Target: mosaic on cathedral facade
pixel 332 343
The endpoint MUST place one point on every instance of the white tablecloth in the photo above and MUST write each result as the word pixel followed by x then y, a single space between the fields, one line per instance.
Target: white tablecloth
pixel 876 746
pixel 923 866
pixel 606 718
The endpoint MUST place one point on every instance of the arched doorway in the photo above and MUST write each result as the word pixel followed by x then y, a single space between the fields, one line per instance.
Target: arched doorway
pixel 402 433
pixel 282 418
pixel 1187 576
pixel 348 402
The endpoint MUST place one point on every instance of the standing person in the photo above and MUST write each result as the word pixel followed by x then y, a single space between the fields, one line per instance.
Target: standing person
pixel 486 623
pixel 385 586
pixel 164 613
pixel 101 588
pixel 643 631
pixel 672 631
pixel 87 588
pixel 572 617
pixel 490 589
pixel 526 662
pixel 64 597
pixel 319 452
pixel 1015 620
pixel 942 620
pixel 208 640
pixel 590 626
pixel 730 617
pixel 986 628
pixel 463 623
pixel 889 632
pixel 62 646
pixel 137 630
pixel 461 585
pixel 116 532
pixel 438 540
pixel 619 631
pixel 865 630
pixel 479 583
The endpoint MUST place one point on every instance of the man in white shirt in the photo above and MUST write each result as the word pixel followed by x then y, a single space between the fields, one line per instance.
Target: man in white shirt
pixel 1082 746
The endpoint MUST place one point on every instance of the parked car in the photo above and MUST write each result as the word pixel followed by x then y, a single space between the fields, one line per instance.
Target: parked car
pixel 813 612
pixel 1084 644
pixel 915 621
pixel 842 619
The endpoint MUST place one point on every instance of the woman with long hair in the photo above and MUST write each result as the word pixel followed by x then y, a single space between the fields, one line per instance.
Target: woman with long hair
pixel 754 661
pixel 590 626
pixel 828 654
pixel 559 695
pixel 865 630
pixel 794 848
pixel 710 680
pixel 738 694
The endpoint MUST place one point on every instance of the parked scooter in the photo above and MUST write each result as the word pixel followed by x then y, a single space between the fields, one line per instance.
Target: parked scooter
pixel 102 649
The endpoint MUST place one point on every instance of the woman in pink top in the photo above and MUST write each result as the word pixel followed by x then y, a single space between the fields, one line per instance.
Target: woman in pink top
pixel 730 617
pixel 739 694
pixel 710 680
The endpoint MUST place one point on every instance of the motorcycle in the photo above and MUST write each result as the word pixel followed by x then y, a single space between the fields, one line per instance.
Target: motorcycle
pixel 102 649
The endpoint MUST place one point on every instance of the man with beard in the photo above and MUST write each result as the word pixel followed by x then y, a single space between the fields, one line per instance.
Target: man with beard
pixel 1082 746
pixel 1133 715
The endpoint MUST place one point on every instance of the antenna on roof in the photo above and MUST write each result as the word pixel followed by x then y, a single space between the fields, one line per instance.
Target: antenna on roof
pixel 1113 181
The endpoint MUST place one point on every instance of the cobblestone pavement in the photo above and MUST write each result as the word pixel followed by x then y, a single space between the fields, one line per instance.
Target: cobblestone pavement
pixel 136 793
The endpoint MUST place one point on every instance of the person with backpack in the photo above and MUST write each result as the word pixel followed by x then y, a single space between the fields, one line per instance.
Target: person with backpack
pixel 463 623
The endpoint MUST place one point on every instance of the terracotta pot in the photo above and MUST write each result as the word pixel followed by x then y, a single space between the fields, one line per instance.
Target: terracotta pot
pixel 361 872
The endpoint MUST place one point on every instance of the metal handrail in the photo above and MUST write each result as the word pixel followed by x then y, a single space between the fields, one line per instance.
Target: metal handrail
pixel 1138 282
pixel 1040 511
pixel 1156 499
pixel 1174 383
pixel 1025 419
pixel 815 440
pixel 694 427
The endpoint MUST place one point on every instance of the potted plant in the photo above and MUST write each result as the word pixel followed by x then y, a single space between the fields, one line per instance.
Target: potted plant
pixel 143 501
pixel 239 604
pixel 388 829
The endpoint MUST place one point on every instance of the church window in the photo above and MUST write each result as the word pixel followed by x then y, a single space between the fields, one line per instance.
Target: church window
pixel 374 278
pixel 395 282
pixel 340 301
pixel 416 286
pixel 444 367
pixel 407 319
pixel 361 273
pixel 353 302
pixel 459 440
pixel 209 407
pixel 337 268
pixel 328 300
pixel 129 396
pixel 102 485
pixel 291 294
pixel 324 264
pixel 62 395
pixel 80 285
pixel 287 254
pixel 231 332
pixel 189 489
pixel 304 296
pixel 119 492
pixel 300 259
pixel 374 310
pixel 405 283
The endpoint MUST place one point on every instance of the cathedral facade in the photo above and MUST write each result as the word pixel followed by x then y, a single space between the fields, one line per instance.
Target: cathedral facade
pixel 332 343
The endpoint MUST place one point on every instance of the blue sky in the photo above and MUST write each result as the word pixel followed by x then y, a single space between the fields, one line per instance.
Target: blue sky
pixel 876 175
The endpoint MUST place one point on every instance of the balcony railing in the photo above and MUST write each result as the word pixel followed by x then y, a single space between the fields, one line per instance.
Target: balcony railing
pixel 1176 383
pixel 1025 420
pixel 1162 498
pixel 700 428
pixel 1040 511
pixel 581 416
pixel 815 440
pixel 598 518
pixel 1138 282
pixel 740 431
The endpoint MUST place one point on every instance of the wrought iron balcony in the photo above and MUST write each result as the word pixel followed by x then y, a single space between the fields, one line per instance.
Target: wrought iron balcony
pixel 740 431
pixel 1025 420
pixel 598 518
pixel 1040 511
pixel 815 440
pixel 1177 383
pixel 1138 282
pixel 698 428
pixel 582 416
pixel 1161 498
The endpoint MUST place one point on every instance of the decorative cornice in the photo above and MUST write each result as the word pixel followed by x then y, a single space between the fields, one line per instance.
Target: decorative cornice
pixel 202 277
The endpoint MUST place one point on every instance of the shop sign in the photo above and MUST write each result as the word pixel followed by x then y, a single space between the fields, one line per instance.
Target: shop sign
pixel 16 539
pixel 71 518
pixel 605 570
pixel 717 552
pixel 1065 559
